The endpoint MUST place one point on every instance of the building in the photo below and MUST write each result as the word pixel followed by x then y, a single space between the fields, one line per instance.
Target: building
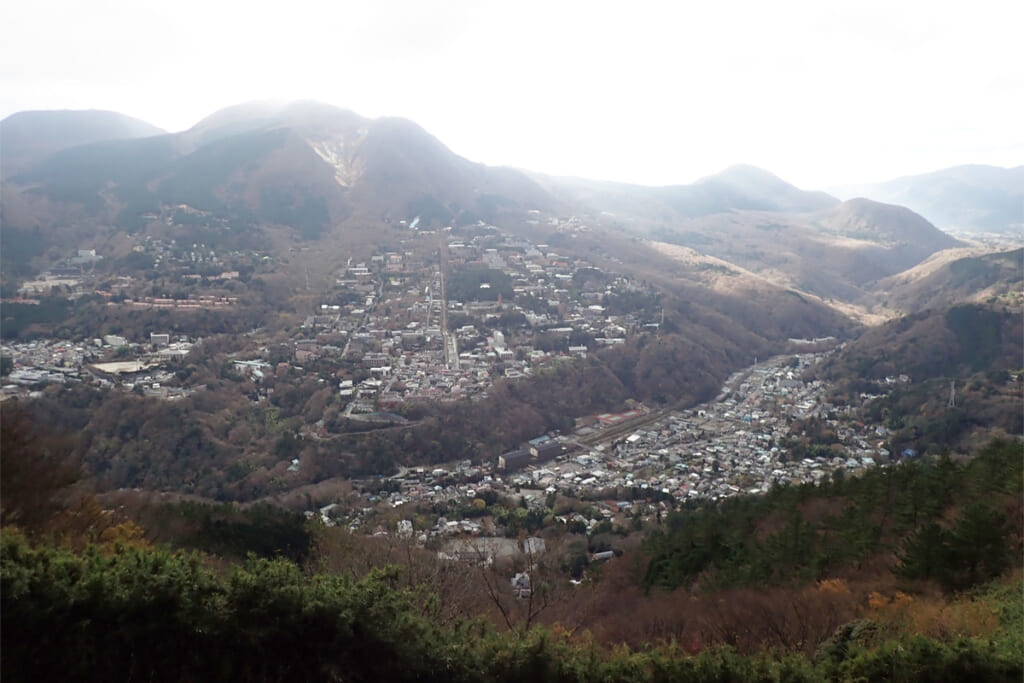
pixel 521 585
pixel 546 451
pixel 513 460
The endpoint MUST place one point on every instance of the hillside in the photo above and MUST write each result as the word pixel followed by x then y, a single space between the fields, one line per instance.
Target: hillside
pixel 28 137
pixel 639 208
pixel 866 577
pixel 799 534
pixel 915 360
pixel 952 342
pixel 954 276
pixel 752 188
pixel 808 241
pixel 313 168
pixel 970 199
pixel 835 253
pixel 274 173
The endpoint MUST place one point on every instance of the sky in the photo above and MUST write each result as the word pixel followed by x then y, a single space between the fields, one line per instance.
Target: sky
pixel 819 93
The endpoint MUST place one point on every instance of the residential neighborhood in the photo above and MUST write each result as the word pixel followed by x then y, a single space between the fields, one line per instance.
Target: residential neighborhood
pixel 739 443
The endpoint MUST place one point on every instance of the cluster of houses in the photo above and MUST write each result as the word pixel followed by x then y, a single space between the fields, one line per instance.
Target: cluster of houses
pixel 387 316
pixel 739 443
pixel 147 368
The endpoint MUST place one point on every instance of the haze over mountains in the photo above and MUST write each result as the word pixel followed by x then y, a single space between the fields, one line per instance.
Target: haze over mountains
pixel 972 198
pixel 304 164
pixel 29 136
pixel 328 173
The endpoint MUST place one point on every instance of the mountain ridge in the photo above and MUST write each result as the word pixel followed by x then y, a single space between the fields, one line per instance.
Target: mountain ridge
pixel 318 171
pixel 971 197
pixel 28 136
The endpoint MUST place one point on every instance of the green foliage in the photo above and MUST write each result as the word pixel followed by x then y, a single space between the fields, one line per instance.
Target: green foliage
pixel 917 658
pixel 979 333
pixel 975 549
pixel 18 318
pixel 308 214
pixel 156 616
pixel 920 418
pixel 264 530
pixel 465 285
pixel 775 539
pixel 141 614
pixel 18 248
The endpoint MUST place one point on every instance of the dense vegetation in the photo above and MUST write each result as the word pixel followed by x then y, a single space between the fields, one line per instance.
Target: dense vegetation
pixel 919 418
pixel 479 284
pixel 952 342
pixel 92 599
pixel 124 613
pixel 956 523
pixel 978 349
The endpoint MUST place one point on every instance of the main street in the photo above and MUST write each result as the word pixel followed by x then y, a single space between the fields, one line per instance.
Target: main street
pixel 451 349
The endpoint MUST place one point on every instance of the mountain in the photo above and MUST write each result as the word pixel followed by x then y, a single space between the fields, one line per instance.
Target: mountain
pixel 878 240
pixel 837 252
pixel 977 347
pixel 736 188
pixel 948 342
pixel 958 275
pixel 749 187
pixel 884 224
pixel 972 198
pixel 29 136
pixel 749 217
pixel 315 171
pixel 305 165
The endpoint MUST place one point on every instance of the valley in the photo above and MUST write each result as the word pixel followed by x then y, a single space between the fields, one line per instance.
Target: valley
pixel 750 438
pixel 406 326
pixel 647 417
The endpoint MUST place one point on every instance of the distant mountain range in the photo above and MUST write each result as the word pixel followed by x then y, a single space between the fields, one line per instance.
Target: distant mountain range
pixel 806 240
pixel 306 165
pixel 29 136
pixel 964 198
pixel 322 172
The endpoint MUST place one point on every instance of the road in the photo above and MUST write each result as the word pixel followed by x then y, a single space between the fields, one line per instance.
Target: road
pixel 451 348
pixel 366 318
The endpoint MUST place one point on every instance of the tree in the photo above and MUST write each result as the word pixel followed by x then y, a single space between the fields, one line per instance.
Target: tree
pixel 977 545
pixel 36 470
pixel 925 554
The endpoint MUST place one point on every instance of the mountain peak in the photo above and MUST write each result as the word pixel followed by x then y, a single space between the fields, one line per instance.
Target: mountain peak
pixel 886 223
pixel 262 114
pixel 744 172
pixel 29 136
pixel 972 198
pixel 751 187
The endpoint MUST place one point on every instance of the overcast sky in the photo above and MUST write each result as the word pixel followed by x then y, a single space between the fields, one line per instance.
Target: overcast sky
pixel 819 93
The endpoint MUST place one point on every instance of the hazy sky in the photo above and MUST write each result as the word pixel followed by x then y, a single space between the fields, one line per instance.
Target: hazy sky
pixel 650 92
